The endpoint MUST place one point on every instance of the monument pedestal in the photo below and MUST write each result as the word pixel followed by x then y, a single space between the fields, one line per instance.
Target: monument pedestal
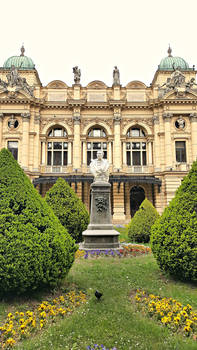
pixel 100 233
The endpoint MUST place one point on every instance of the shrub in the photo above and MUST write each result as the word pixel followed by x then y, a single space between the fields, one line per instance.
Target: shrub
pixel 69 208
pixel 140 225
pixel 174 237
pixel 35 249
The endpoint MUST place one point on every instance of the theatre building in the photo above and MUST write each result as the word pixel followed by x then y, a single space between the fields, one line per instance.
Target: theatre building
pixel 147 133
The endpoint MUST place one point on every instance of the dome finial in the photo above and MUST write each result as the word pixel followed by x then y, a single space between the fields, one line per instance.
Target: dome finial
pixel 22 50
pixel 169 51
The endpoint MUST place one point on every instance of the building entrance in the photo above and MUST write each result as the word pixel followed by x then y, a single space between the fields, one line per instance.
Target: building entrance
pixel 137 195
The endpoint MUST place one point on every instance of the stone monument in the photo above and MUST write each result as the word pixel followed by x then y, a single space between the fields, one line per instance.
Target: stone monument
pixel 100 233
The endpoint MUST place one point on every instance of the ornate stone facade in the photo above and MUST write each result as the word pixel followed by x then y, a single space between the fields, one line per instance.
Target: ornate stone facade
pixel 147 133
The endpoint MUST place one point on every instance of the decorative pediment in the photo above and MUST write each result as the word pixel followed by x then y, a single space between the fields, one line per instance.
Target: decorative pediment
pixel 96 84
pixel 136 84
pixel 181 93
pixel 16 95
pixel 57 84
pixel 16 83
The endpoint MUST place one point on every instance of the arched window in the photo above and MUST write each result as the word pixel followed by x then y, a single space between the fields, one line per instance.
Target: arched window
pixel 57 147
pixel 96 141
pixel 136 147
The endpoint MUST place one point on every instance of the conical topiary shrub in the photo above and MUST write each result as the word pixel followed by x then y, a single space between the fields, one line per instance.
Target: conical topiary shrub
pixel 35 249
pixel 69 209
pixel 140 225
pixel 174 236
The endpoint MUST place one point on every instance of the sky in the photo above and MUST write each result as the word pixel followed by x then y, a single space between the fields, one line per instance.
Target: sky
pixel 97 35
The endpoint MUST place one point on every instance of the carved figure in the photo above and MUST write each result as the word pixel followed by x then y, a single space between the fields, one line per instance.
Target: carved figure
pixel 181 123
pixel 101 204
pixel 99 167
pixel 77 74
pixel 177 78
pixel 116 76
pixel 13 77
pixel 3 84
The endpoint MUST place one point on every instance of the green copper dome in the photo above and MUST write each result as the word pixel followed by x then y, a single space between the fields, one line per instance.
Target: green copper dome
pixel 20 62
pixel 171 63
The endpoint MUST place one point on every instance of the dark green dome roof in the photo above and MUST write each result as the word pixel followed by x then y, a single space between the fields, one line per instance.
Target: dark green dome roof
pixel 20 62
pixel 171 63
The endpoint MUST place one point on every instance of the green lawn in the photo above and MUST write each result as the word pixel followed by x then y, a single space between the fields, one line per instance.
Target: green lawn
pixel 113 321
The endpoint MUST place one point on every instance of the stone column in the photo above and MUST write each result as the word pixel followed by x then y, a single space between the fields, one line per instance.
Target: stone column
pixel 79 190
pixel 193 120
pixel 76 141
pixel 118 205
pixel 43 152
pixel 37 152
pixel 124 156
pixel 69 153
pixel 84 152
pixel 1 130
pixel 156 145
pixel 117 143
pixel 25 141
pixel 168 143
pixel 150 160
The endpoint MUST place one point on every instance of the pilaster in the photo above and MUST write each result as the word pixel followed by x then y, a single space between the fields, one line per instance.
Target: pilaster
pixel 76 141
pixel 25 141
pixel 117 143
pixel 193 120
pixel 118 205
pixel 168 142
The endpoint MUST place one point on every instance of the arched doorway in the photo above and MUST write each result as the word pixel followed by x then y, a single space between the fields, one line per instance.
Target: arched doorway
pixel 137 195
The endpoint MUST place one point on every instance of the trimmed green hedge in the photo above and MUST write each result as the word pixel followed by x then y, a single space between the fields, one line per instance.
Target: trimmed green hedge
pixel 35 249
pixel 174 237
pixel 140 225
pixel 70 210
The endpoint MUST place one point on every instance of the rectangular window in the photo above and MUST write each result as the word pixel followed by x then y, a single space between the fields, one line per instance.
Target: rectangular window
pixel 13 148
pixel 136 158
pixel 180 147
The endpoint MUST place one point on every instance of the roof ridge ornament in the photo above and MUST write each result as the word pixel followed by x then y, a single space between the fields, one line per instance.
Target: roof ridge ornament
pixel 22 50
pixel 169 51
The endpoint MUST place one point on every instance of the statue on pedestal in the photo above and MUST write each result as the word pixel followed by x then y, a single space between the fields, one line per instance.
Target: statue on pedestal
pixel 116 76
pixel 99 167
pixel 77 74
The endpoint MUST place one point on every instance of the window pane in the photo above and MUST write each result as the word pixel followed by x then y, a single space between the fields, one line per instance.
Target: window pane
pixel 143 145
pixel 135 132
pixel 136 158
pixel 105 154
pixel 88 158
pixel 57 145
pixel 128 158
pixel 104 145
pixel 65 160
pixel 49 153
pixel 13 148
pixel 57 158
pixel 89 145
pixel 97 132
pixel 49 145
pixel 50 133
pixel 65 145
pixel 180 151
pixel 144 158
pixel 128 145
pixel 135 145
pixel 96 145
pixel 57 132
pixel 94 154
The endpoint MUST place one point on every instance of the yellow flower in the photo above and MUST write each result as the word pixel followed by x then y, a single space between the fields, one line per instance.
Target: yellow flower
pixel 10 341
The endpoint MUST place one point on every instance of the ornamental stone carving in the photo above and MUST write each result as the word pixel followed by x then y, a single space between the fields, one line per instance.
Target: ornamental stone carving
pixel 116 76
pixel 101 204
pixel 15 81
pixel 77 74
pixel 180 123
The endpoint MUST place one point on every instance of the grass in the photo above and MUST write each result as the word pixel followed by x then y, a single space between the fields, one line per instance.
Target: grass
pixel 114 320
pixel 123 233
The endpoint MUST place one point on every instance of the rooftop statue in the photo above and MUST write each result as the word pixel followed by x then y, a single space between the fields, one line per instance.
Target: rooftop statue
pixel 77 74
pixel 116 76
pixel 99 167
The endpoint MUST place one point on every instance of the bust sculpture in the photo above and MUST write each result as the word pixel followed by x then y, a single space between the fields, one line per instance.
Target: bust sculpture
pixel 99 167
pixel 77 74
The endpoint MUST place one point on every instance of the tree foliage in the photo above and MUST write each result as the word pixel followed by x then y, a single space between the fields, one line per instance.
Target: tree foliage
pixel 140 225
pixel 70 210
pixel 35 249
pixel 174 237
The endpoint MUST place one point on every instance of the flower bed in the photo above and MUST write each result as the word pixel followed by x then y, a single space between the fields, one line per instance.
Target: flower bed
pixel 125 250
pixel 99 347
pixel 169 312
pixel 19 325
